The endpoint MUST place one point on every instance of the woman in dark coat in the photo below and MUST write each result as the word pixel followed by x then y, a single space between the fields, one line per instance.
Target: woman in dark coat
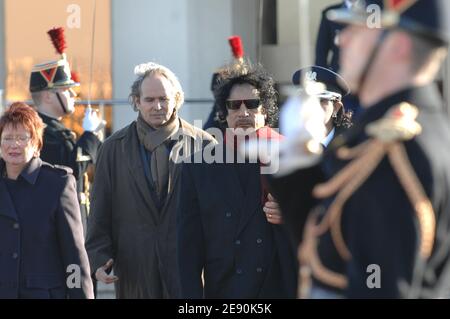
pixel 42 254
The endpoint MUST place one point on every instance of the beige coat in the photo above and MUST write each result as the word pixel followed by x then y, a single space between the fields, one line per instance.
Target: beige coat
pixel 125 224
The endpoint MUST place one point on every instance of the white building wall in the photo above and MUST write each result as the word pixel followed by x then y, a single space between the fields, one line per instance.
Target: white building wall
pixel 284 58
pixel 244 18
pixel 145 31
pixel 188 36
pixel 208 26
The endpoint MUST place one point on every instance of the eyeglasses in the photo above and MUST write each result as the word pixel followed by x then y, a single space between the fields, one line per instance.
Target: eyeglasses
pixel 11 140
pixel 236 104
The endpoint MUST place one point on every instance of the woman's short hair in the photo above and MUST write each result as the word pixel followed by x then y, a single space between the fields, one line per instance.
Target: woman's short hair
pixel 20 113
pixel 144 70
pixel 255 75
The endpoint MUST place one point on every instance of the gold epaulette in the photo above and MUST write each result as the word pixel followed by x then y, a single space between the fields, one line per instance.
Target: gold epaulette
pixel 398 125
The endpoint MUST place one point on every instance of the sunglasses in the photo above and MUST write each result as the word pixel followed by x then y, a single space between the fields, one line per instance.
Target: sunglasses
pixel 236 104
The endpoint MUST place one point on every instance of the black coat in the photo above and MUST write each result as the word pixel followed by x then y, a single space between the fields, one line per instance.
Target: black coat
pixel 222 231
pixel 326 41
pixel 41 235
pixel 61 148
pixel 379 225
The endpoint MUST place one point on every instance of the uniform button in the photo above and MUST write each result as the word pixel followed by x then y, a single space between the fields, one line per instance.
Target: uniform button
pixel 239 271
pixel 16 226
pixel 15 255
pixel 237 242
pixel 228 214
pixel 259 269
pixel 259 241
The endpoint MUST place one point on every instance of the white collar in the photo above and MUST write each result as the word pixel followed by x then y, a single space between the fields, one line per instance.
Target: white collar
pixel 329 137
pixel 349 4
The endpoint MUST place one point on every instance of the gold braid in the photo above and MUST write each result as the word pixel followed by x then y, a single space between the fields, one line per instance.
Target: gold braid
pixel 416 194
pixel 388 136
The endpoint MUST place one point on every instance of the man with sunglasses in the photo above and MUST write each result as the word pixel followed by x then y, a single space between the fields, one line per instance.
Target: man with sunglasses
pixel 375 223
pixel 228 225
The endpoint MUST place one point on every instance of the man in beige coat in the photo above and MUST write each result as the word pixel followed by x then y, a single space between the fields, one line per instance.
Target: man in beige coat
pixel 132 224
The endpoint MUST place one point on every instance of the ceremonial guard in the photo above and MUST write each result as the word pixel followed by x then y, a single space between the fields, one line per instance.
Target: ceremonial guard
pixel 51 89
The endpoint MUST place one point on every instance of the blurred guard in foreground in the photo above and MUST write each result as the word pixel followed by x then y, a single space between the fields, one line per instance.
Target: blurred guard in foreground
pixel 377 225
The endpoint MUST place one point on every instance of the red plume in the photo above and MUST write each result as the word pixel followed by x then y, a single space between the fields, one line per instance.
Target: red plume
pixel 75 76
pixel 58 40
pixel 236 46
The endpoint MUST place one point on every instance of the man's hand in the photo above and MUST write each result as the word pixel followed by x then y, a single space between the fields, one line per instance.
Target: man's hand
pixel 272 210
pixel 102 276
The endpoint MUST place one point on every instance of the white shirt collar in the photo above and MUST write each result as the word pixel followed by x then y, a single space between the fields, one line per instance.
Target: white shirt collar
pixel 329 137
pixel 349 4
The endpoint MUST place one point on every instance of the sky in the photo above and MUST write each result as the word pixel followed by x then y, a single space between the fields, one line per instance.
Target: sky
pixel 27 42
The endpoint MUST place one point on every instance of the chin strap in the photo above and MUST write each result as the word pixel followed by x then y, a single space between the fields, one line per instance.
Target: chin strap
pixel 64 108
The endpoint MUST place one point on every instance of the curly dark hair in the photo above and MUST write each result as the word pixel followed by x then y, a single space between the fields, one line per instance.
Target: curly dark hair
pixel 343 119
pixel 247 73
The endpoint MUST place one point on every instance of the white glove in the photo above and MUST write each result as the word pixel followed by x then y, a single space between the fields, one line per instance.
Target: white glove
pixel 302 122
pixel 92 122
